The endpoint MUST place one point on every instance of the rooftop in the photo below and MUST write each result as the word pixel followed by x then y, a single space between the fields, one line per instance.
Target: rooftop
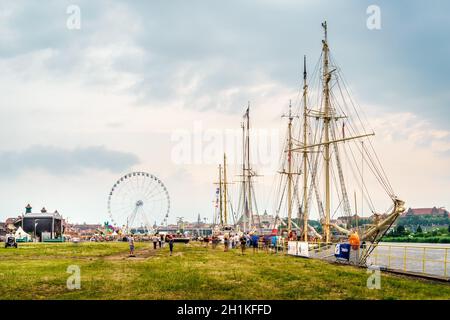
pixel 42 215
pixel 425 211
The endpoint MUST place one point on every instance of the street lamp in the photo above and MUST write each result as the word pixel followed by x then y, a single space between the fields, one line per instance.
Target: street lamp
pixel 35 224
pixel 180 224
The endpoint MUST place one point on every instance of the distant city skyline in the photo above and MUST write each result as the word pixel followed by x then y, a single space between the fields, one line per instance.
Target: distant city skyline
pixel 82 107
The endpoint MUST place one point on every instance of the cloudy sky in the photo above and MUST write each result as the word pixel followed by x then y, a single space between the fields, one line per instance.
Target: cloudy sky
pixel 79 108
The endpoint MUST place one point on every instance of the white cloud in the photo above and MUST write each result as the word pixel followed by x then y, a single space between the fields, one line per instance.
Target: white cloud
pixel 60 161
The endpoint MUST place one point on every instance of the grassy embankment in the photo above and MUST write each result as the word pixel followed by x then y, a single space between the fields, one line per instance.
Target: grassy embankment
pixel 38 271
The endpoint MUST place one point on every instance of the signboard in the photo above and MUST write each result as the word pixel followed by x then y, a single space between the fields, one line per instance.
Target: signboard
pixel 303 249
pixel 45 236
pixel 298 248
pixel 342 251
pixel 292 248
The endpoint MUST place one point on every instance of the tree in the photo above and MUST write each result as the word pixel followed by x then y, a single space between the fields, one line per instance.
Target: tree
pixel 448 228
pixel 419 229
pixel 400 230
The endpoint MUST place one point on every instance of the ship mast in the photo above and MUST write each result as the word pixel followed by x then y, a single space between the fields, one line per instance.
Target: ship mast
pixel 220 195
pixel 246 172
pixel 223 195
pixel 305 153
pixel 326 92
pixel 225 187
pixel 289 173
pixel 248 193
pixel 244 194
pixel 249 173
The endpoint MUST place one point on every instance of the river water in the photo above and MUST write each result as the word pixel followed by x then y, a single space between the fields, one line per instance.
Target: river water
pixel 427 258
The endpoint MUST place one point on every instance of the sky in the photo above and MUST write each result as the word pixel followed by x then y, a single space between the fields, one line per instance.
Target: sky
pixel 127 85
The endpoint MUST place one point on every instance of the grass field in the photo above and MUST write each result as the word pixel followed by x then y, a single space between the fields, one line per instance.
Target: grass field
pixel 39 271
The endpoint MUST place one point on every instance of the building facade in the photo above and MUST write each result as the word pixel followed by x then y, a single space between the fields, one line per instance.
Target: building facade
pixel 41 225
pixel 426 212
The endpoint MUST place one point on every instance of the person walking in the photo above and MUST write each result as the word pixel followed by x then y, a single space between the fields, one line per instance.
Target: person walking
pixel 160 240
pixel 255 240
pixel 214 241
pixel 155 241
pixel 248 239
pixel 226 242
pixel 170 239
pixel 131 244
pixel 266 243
pixel 243 241
pixel 274 242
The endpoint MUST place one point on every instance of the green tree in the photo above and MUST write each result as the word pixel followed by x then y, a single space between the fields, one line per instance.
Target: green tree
pixel 419 229
pixel 400 230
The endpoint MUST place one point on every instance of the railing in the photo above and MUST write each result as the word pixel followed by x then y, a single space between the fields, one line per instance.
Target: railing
pixel 426 260
pixel 319 250
pixel 414 259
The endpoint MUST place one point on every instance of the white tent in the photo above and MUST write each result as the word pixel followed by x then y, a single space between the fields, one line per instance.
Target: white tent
pixel 20 234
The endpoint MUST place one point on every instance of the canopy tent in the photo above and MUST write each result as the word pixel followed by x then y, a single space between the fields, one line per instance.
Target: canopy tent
pixel 20 234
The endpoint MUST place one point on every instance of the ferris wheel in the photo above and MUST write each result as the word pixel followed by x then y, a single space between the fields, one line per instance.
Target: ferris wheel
pixel 138 202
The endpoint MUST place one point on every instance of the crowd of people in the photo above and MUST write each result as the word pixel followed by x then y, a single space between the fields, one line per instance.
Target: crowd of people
pixel 268 243
pixel 158 240
pixel 229 240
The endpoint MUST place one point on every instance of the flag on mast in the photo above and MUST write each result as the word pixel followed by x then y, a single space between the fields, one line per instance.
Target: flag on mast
pixel 343 130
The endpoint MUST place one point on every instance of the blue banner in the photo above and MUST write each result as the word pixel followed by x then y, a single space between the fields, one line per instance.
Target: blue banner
pixel 342 251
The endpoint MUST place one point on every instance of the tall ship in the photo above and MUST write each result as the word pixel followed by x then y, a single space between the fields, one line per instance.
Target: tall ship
pixel 244 217
pixel 329 166
pixel 331 186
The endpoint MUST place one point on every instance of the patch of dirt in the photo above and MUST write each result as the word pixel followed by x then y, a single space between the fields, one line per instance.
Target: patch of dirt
pixel 140 254
pixel 176 254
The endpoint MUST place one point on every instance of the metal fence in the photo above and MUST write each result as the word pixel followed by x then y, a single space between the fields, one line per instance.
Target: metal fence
pixel 427 260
